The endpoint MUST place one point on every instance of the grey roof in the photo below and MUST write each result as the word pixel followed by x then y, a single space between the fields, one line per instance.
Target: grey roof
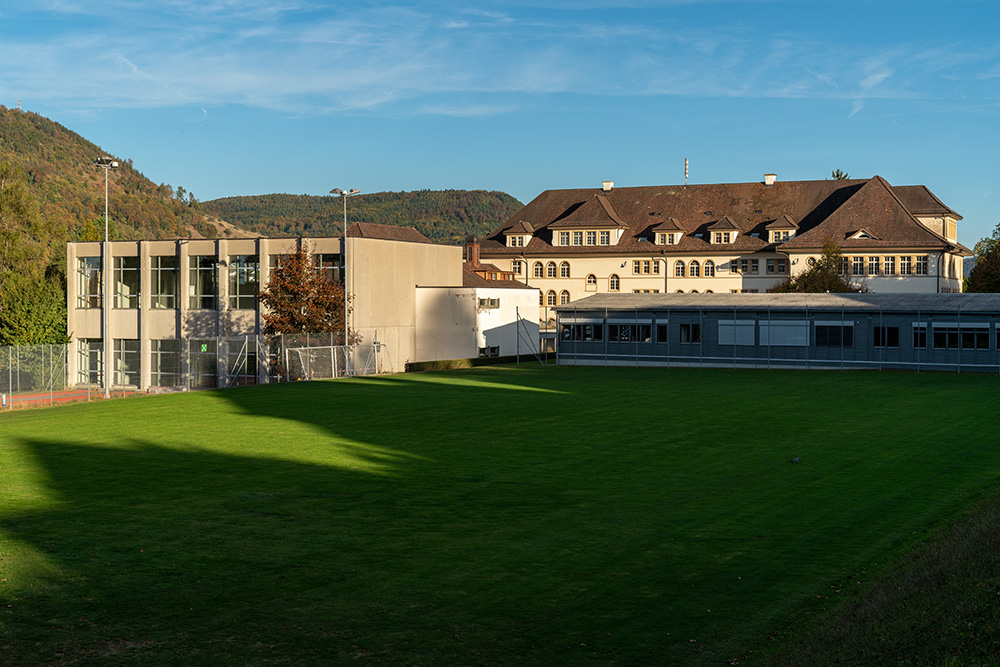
pixel 953 303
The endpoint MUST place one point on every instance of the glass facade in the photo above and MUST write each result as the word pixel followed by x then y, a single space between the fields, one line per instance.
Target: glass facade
pixel 163 281
pixel 243 281
pixel 203 288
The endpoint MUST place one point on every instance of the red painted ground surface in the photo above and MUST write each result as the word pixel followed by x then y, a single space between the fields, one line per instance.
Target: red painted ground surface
pixel 18 401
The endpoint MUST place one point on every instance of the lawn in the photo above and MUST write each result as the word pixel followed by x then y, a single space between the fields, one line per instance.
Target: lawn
pixel 493 516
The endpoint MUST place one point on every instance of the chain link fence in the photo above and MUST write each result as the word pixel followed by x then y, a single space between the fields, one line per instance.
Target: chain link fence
pixel 32 374
pixel 40 374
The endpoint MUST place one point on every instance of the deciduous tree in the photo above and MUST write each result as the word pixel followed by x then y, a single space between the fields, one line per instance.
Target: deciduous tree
pixel 824 276
pixel 985 275
pixel 299 299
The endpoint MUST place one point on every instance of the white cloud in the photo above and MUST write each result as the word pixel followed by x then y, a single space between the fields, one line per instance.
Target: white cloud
pixel 302 55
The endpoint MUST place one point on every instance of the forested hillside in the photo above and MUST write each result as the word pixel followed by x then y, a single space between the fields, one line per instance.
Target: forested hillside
pixel 51 192
pixel 446 216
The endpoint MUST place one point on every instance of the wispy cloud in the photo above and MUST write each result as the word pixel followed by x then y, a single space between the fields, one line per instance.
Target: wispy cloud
pixel 302 55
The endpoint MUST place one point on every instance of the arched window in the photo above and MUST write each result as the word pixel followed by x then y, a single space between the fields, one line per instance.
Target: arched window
pixel 694 268
pixel 564 270
pixel 563 298
pixel 694 291
pixel 550 270
pixel 709 269
pixel 539 270
pixel 550 298
pixel 541 298
pixel 708 291
pixel 679 269
pixel 591 279
pixel 614 283
pixel 680 291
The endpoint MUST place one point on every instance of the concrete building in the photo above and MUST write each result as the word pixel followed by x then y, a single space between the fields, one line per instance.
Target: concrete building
pixel 490 315
pixel 186 308
pixel 727 238
pixel 946 332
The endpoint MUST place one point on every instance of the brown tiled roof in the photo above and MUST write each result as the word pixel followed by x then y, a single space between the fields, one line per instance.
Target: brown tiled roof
pixel 668 225
pixel 371 230
pixel 521 227
pixel 875 209
pixel 921 201
pixel 472 279
pixel 594 212
pixel 784 222
pixel 817 208
pixel 724 224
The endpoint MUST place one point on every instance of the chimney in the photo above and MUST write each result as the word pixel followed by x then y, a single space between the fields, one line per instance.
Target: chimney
pixel 769 179
pixel 472 250
pixel 607 186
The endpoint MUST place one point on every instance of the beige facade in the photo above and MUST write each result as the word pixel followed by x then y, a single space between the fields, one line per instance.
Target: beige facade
pixel 204 292
pixel 383 276
pixel 727 238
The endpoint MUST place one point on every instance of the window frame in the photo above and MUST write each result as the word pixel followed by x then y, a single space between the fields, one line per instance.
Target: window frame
pixel 90 282
pixel 244 282
pixel 164 294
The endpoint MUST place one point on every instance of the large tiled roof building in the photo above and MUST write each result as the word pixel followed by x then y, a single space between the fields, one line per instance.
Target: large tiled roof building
pixel 728 237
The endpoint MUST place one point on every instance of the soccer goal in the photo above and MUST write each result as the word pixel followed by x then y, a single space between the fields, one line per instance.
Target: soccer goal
pixel 331 361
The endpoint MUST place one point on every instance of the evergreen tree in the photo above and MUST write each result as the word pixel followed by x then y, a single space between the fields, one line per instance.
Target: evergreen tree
pixel 824 276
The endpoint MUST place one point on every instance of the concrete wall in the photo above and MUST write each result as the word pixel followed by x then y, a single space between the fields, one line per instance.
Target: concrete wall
pixel 451 323
pixel 446 323
pixel 382 279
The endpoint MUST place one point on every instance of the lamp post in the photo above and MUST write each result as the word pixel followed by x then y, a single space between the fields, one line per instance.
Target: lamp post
pixel 107 164
pixel 344 194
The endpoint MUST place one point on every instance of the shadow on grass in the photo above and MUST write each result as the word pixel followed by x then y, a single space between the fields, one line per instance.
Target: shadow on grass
pixel 179 557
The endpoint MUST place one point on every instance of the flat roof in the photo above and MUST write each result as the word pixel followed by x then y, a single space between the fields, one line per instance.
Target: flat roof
pixel 978 303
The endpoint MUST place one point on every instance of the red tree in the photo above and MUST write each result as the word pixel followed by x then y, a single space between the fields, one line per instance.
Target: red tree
pixel 299 299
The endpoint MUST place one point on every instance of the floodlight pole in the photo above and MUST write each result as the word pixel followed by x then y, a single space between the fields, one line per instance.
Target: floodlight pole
pixel 344 194
pixel 107 164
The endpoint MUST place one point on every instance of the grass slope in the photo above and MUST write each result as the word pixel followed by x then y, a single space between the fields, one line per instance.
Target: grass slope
pixel 490 516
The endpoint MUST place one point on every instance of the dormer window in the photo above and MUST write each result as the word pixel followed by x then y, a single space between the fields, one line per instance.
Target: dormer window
pixel 667 238
pixel 515 241
pixel 722 237
pixel 605 238
pixel 577 238
pixel 781 235
pixel 563 238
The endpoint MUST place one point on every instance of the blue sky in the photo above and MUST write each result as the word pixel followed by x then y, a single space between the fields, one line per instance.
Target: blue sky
pixel 236 97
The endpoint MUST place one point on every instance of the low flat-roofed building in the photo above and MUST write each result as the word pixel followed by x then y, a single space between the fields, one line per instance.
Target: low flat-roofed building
pixel 948 332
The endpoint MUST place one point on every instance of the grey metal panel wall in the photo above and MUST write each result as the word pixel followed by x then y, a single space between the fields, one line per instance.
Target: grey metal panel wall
pixel 862 353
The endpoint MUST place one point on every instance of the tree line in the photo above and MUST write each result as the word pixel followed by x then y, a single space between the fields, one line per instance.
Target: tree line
pixel 443 216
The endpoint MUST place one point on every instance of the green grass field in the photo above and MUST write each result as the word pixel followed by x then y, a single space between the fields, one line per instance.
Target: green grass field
pixel 494 516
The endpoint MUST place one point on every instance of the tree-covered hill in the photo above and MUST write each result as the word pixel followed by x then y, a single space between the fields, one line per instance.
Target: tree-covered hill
pixel 442 216
pixel 61 176
pixel 51 192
